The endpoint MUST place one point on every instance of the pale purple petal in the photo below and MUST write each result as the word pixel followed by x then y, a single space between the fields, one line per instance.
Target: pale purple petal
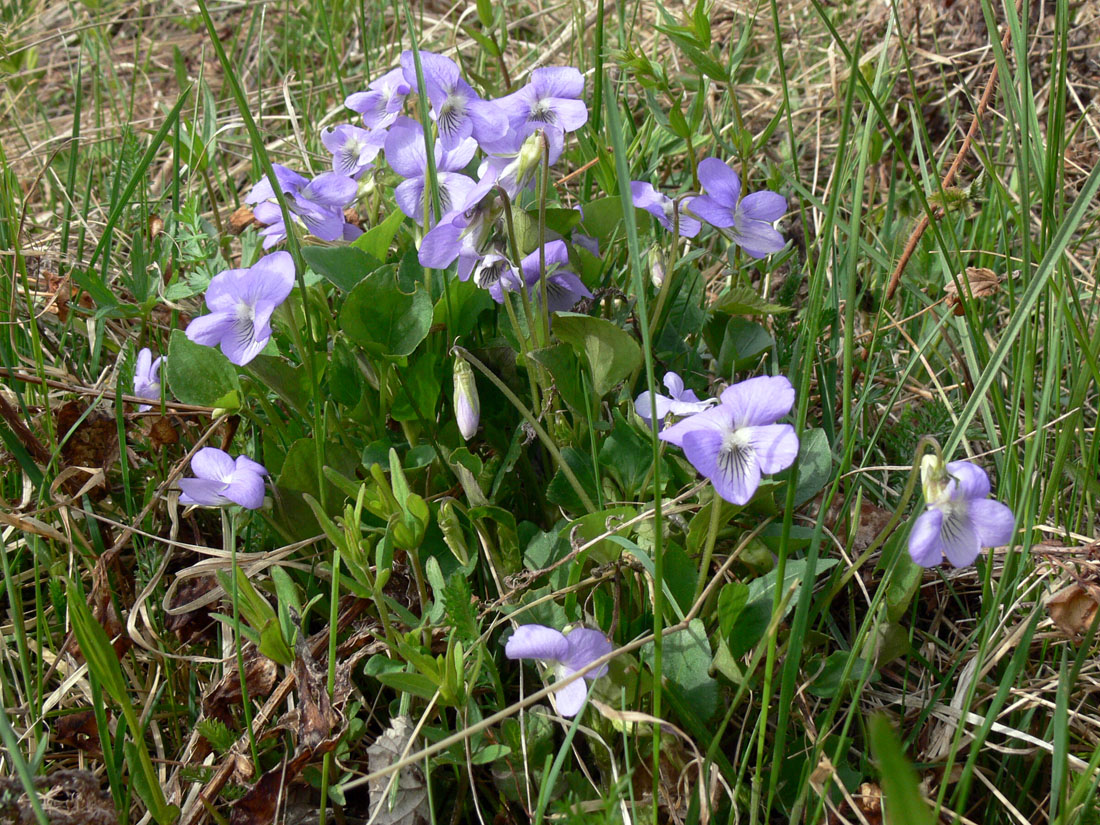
pixel 960 539
pixel 440 246
pixel 209 330
pixel 757 238
pixel 409 195
pixel 585 647
pixel 716 214
pixel 212 463
pixel 925 545
pixel 570 114
pixel 570 698
pixel 643 407
pixel 658 205
pixel 330 189
pixel 246 489
pixel 405 148
pixel 246 464
pixel 486 120
pixel 734 472
pixel 563 290
pixel 775 445
pixel 269 281
pixel 972 479
pixel 993 522
pixel 759 401
pixel 716 419
pixel 143 367
pixel 455 159
pixel 675 385
pixel 202 491
pixel 557 81
pixel 764 206
pixel 720 182
pixel 223 293
pixel 536 641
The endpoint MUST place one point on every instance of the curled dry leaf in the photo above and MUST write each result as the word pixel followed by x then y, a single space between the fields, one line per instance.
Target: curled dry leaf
pixel 1073 608
pixel 259 679
pixel 983 282
pixel 162 434
pixel 79 730
pixel 241 219
pixel 410 802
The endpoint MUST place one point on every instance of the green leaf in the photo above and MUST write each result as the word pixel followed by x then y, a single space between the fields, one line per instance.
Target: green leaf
pixel 562 363
pixel 290 383
pixel 487 43
pixel 200 375
pixel 561 492
pixel 423 381
pixel 696 52
pixel 686 668
pixel 736 342
pixel 904 804
pixel 344 266
pixel 415 683
pixel 560 220
pixel 384 320
pixel 815 465
pixel 627 455
pixel 376 241
pixel 701 21
pixel 468 301
pixel 731 601
pixel 458 607
pixel 742 300
pixel 612 353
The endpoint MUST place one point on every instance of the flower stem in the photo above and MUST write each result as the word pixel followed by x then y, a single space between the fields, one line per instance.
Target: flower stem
pixel 708 547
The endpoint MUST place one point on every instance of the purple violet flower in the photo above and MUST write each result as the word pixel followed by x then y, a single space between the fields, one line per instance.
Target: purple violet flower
pixel 736 442
pixel 406 156
pixel 353 149
pixel 462 233
pixel 318 203
pixel 959 520
pixel 382 101
pixel 566 654
pixel 662 207
pixel 678 402
pixel 550 101
pixel 147 377
pixel 563 288
pixel 458 110
pixel 747 220
pixel 241 302
pixel 221 480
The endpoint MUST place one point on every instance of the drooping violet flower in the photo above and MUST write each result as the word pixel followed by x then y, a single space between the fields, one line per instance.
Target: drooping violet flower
pixel 241 302
pixel 353 149
pixel 458 110
pixel 736 442
pixel 566 654
pixel 747 220
pixel 382 101
pixel 147 377
pixel 406 156
pixel 678 402
pixel 463 233
pixel 513 165
pixel 959 520
pixel 318 204
pixel 221 480
pixel 467 404
pixel 663 208
pixel 563 288
pixel 550 101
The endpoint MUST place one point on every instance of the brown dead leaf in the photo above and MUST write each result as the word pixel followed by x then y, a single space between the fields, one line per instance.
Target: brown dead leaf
pixel 241 219
pixel 162 434
pixel 1073 608
pixel 259 678
pixel 194 624
pixel 983 282
pixel 93 443
pixel 79 730
pixel 316 717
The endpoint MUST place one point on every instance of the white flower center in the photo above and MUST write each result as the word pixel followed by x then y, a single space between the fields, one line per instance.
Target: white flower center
pixel 736 453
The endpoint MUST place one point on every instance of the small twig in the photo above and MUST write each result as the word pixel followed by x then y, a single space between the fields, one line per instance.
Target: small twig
pixel 948 179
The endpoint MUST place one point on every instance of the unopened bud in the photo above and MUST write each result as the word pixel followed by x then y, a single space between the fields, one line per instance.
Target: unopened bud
pixel 656 271
pixel 467 405
pixel 934 478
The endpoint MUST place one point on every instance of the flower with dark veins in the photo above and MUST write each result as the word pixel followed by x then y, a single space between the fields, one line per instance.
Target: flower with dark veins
pixel 381 103
pixel 406 156
pixel 458 110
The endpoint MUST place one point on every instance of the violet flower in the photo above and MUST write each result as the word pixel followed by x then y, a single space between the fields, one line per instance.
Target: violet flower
pixel 458 110
pixel 550 101
pixel 959 520
pixel 736 442
pixel 318 204
pixel 353 149
pixel 746 220
pixel 563 288
pixel 382 101
pixel 406 156
pixel 241 302
pixel 463 233
pixel 678 402
pixel 662 207
pixel 147 377
pixel 221 480
pixel 566 654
